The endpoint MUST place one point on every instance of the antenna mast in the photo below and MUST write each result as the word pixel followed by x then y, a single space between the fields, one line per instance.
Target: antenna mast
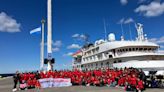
pixel 130 32
pixel 105 30
pixel 86 38
pixel 122 37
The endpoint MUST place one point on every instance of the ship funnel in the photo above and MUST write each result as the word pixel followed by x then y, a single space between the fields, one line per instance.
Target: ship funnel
pixel 111 37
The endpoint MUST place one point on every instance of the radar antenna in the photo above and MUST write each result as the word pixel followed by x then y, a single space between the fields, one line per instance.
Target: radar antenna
pixel 139 28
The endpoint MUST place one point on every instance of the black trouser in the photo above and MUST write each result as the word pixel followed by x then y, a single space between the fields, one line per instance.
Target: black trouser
pixel 15 83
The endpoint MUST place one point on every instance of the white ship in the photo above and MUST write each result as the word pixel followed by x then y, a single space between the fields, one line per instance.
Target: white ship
pixel 111 53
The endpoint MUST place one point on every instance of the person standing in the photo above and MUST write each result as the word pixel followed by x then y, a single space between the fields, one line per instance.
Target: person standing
pixel 16 79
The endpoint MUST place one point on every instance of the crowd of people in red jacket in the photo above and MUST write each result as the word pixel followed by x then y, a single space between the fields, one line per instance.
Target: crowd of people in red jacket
pixel 129 78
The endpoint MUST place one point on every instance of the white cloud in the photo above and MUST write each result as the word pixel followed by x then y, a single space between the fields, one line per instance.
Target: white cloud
pixel 55 49
pixel 74 46
pixel 83 37
pixel 124 2
pixel 57 43
pixel 162 46
pixel 80 36
pixel 161 40
pixel 153 9
pixel 141 1
pixel 153 40
pixel 125 21
pixel 161 51
pixel 68 54
pixel 121 21
pixel 8 24
pixel 75 35
pixel 157 40
pixel 129 20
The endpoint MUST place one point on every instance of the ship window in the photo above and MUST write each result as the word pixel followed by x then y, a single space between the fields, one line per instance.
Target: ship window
pixel 118 50
pixel 96 64
pixel 119 61
pixel 145 48
pixel 126 49
pixel 129 49
pixel 107 63
pixel 90 58
pixel 133 49
pixel 114 61
pixel 110 56
pixel 101 64
pixel 140 49
pixel 97 49
pixel 123 50
pixel 81 65
pixel 136 48
pixel 93 50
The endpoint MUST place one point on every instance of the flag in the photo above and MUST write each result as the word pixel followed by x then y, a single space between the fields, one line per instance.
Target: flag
pixel 36 31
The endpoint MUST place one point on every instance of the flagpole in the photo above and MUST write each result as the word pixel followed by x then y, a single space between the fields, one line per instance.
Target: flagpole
pixel 49 34
pixel 42 46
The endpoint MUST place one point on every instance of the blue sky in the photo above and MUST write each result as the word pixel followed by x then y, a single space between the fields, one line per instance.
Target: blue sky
pixel 71 19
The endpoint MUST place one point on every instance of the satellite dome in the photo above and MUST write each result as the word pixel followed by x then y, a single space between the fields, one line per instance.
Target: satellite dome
pixel 111 37
pixel 96 42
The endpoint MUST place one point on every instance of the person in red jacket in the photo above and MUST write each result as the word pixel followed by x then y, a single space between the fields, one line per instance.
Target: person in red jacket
pixel 120 81
pixel 133 82
pixel 96 81
pixel 29 83
pixel 37 85
pixel 34 81
pixel 140 85
pixel 109 81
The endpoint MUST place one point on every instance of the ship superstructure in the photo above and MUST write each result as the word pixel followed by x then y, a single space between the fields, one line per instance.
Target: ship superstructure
pixel 111 53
